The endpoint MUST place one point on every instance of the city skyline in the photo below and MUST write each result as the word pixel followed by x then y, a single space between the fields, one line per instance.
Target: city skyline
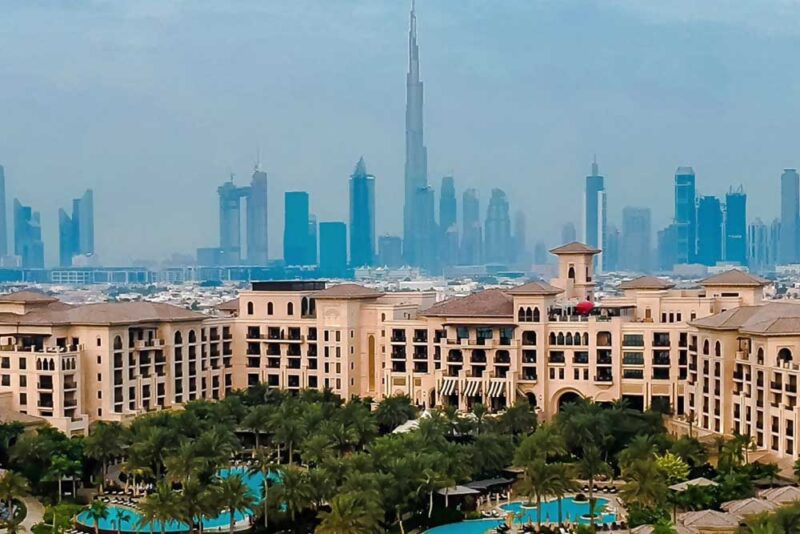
pixel 131 161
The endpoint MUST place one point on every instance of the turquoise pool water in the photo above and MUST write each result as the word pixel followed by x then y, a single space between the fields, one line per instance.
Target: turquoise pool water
pixel 126 519
pixel 570 509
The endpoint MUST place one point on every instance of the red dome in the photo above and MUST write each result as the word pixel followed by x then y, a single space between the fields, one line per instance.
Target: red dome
pixel 584 308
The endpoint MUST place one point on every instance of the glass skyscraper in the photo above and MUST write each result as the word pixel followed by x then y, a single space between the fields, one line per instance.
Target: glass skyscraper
pixel 709 235
pixel 790 212
pixel 498 228
pixel 28 243
pixel 736 226
pixel 362 216
pixel 594 211
pixel 685 219
pixel 76 232
pixel 636 247
pixel 333 249
pixel 295 228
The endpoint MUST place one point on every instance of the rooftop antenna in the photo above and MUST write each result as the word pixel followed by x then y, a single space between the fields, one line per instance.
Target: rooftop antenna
pixel 258 158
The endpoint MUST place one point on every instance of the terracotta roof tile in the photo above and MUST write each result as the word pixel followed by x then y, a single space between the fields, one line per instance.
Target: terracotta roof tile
pixel 488 303
pixel 646 282
pixel 776 318
pixel 535 288
pixel 27 296
pixel 710 519
pixel 103 314
pixel 734 277
pixel 575 248
pixel 347 291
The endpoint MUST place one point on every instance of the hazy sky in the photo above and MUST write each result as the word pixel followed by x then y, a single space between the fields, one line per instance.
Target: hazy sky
pixel 153 103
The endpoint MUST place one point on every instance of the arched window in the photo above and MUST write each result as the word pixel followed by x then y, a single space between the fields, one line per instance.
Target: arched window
pixel 529 337
pixel 178 337
pixel 536 315
pixel 528 314
pixel 784 355
pixel 560 338
pixel 192 337
pixel 760 356
pixel 521 315
pixel 304 306
pixel 118 343
pixel 604 339
pixel 290 308
pixel 270 309
pixel 586 338
pixel 249 308
pixel 552 338
pixel 312 306
pixel 705 347
pixel 568 338
pixel 717 349
pixel 571 272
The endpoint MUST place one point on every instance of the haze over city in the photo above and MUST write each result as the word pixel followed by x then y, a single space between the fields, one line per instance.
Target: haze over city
pixel 154 104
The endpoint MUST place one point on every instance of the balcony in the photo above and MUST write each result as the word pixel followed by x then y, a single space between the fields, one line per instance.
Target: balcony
pixel 581 358
pixel 528 374
pixel 556 357
pixel 398 336
pixel 420 336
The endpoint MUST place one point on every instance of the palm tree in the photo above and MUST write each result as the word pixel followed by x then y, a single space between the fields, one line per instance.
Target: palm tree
pixel 264 462
pixel 199 501
pixel 236 497
pixel 546 442
pixel 644 484
pixel 12 486
pixel 538 481
pixel 590 466
pixel 289 428
pixel 479 411
pixel 258 420
pixel 293 491
pixel 163 506
pixel 135 470
pixel 97 510
pixel 394 411
pixel 433 479
pixel 640 448
pixel 120 515
pixel 60 467
pixel 351 513
pixel 183 463
pixel 563 482
pixel 105 442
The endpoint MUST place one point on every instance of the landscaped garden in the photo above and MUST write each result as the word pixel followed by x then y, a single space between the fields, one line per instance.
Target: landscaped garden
pixel 310 462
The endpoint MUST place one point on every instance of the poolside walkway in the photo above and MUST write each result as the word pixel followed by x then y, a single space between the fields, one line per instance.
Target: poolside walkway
pixel 35 515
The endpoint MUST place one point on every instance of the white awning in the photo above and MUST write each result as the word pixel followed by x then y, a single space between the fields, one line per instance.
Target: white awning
pixel 473 388
pixel 448 387
pixel 497 388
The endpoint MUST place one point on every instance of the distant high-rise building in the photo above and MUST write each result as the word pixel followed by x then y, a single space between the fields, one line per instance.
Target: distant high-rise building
pixel 427 254
pixel 448 226
pixel 230 231
pixel 311 251
pixel 295 228
pixel 736 226
pixel 685 219
pixel 497 236
pixel 28 243
pixel 613 242
pixel 3 216
pixel 636 239
pixel 569 234
pixel 332 249
pixel 709 230
pixel 519 239
pixel 362 216
pixel 390 251
pixel 416 219
pixel 540 254
pixel 668 247
pixel 257 219
pixel 594 210
pixel 76 232
pixel 762 243
pixel 790 216
pixel 471 229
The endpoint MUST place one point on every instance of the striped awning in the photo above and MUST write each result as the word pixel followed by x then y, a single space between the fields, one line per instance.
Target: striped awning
pixel 497 388
pixel 448 387
pixel 473 388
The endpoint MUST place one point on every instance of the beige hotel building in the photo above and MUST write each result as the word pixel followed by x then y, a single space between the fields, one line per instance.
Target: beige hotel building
pixel 717 355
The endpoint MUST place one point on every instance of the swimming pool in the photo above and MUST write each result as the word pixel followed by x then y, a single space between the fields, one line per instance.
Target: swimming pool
pixel 126 519
pixel 575 511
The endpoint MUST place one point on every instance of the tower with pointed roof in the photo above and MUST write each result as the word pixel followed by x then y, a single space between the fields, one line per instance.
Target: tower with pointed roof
pixel 575 270
pixel 362 216
pixel 594 211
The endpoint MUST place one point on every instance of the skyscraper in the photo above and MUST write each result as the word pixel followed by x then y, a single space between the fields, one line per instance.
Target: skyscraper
pixel 519 239
pixel 3 217
pixel 762 244
pixel 667 247
pixel 685 219
pixel 257 219
pixel 427 254
pixel 594 228
pixel 333 249
pixel 471 231
pixel 311 247
pixel 295 228
pixel 636 247
pixel 415 216
pixel 362 216
pixel 448 226
pixel 736 226
pixel 76 232
pixel 568 233
pixel 28 243
pixel 709 230
pixel 498 228
pixel 613 243
pixel 230 231
pixel 390 251
pixel 790 212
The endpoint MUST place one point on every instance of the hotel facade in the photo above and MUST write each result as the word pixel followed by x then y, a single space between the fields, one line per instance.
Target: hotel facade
pixel 717 356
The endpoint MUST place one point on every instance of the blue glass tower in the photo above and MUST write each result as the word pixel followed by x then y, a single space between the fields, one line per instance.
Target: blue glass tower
pixel 709 235
pixel 362 216
pixel 333 249
pixel 736 226
pixel 685 215
pixel 295 228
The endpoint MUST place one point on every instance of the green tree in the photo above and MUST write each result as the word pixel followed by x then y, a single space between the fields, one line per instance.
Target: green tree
pixel 60 468
pixel 644 484
pixel 13 486
pixel 258 421
pixel 546 442
pixel 162 506
pixel 105 442
pixel 264 461
pixel 519 420
pixel 394 411
pixel 120 515
pixel 97 510
pixel 293 491
pixel 691 450
pixel 563 483
pixel 289 428
pixel 673 467
pixel 236 497
pixel 184 463
pixel 641 448
pixel 590 466
pixel 538 481
pixel 351 513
